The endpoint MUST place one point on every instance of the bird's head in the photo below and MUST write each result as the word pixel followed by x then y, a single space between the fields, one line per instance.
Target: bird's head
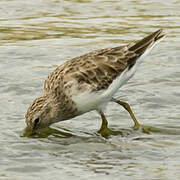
pixel 41 113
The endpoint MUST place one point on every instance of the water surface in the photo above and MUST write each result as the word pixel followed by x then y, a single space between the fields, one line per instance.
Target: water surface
pixel 36 36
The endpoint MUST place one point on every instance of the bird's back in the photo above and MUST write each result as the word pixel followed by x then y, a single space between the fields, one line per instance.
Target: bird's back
pixel 98 69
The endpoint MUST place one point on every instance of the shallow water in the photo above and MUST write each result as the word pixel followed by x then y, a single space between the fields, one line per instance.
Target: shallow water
pixel 36 36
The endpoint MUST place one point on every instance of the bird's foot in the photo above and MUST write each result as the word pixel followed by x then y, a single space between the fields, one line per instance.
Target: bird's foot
pixel 145 129
pixel 106 132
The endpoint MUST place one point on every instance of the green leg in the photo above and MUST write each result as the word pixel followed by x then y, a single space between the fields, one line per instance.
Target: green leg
pixel 137 125
pixel 104 130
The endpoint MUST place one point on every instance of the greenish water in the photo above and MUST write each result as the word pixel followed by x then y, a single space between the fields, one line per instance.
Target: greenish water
pixel 35 37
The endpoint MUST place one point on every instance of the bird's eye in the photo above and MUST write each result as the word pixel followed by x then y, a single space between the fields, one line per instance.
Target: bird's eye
pixel 36 121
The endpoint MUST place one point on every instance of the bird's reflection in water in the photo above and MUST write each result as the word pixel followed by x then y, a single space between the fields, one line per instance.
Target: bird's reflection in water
pixel 62 132
pixel 43 133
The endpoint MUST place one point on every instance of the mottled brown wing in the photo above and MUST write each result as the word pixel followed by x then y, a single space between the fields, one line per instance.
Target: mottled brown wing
pixel 99 68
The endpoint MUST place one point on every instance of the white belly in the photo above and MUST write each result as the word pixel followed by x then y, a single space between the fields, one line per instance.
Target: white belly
pixel 88 100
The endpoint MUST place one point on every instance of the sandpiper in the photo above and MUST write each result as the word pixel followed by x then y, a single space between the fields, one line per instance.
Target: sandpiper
pixel 88 83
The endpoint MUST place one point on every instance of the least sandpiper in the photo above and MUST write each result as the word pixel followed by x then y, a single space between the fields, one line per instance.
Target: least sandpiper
pixel 88 83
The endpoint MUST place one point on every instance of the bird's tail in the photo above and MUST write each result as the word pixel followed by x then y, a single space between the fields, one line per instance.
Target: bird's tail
pixel 147 43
